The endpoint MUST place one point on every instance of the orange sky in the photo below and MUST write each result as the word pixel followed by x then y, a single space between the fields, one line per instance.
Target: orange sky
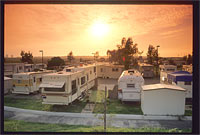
pixel 60 28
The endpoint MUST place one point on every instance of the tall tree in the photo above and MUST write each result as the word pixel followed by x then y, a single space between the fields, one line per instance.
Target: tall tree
pixel 153 57
pixel 55 62
pixel 150 54
pixel 125 53
pixel 70 57
pixel 26 57
pixel 188 59
pixel 96 55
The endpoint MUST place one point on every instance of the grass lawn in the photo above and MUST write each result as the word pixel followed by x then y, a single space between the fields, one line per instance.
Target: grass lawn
pixel 113 106
pixel 116 107
pixel 36 104
pixel 188 112
pixel 21 126
pixel 97 96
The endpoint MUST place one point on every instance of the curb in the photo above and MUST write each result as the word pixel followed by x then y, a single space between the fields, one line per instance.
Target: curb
pixel 90 115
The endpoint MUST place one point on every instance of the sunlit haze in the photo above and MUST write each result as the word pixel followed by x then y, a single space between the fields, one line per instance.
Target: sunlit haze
pixel 58 29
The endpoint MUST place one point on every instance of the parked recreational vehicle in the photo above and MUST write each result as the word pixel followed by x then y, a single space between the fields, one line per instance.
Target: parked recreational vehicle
pixel 146 70
pixel 66 86
pixel 26 83
pixel 182 79
pixel 164 70
pixel 129 85
pixel 106 70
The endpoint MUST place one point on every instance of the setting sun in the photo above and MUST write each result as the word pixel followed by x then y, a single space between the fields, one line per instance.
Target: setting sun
pixel 99 29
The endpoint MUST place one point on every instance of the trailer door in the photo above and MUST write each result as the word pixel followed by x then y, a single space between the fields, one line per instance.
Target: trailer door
pixel 34 84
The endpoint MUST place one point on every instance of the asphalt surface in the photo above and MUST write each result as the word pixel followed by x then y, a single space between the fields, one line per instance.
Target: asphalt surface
pixel 113 120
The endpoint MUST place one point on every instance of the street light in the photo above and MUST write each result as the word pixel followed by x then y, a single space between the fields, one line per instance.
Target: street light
pixel 42 57
pixel 157 59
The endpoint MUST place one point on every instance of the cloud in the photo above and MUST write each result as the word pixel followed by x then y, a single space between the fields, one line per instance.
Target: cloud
pixel 172 32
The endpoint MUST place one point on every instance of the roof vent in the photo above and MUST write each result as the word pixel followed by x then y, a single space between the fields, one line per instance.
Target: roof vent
pixel 131 71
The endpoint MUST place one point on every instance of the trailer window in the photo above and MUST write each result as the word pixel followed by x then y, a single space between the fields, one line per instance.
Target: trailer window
pixel 74 87
pixel 94 69
pixel 82 80
pixel 55 89
pixel 68 70
pixel 33 79
pixel 130 85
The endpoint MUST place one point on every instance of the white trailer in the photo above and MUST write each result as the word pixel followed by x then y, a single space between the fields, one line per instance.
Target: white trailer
pixel 146 70
pixel 7 85
pixel 62 88
pixel 107 70
pixel 129 85
pixel 164 70
pixel 26 83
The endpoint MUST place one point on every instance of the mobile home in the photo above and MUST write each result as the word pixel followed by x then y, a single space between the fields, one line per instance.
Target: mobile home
pixel 12 68
pixel 28 82
pixel 129 85
pixel 28 67
pixel 182 79
pixel 146 70
pixel 40 66
pixel 164 70
pixel 106 70
pixel 64 87
pixel 7 85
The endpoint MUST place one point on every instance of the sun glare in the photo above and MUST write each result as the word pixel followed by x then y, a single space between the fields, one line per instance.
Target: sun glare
pixel 99 29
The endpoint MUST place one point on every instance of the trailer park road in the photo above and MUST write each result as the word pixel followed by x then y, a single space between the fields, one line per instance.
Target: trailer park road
pixel 113 120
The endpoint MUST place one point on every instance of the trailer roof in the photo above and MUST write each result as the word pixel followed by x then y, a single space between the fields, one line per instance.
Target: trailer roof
pixel 161 86
pixel 145 64
pixel 180 76
pixel 7 78
pixel 167 66
pixel 27 73
pixel 62 73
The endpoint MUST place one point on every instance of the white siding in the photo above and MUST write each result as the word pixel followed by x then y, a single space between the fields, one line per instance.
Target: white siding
pixel 163 102
pixel 8 85
pixel 187 87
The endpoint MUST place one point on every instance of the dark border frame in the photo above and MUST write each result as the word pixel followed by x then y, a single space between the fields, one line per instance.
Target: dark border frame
pixel 196 53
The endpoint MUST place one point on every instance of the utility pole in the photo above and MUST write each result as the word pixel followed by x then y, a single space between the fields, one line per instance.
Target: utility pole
pixel 157 60
pixel 105 109
pixel 42 58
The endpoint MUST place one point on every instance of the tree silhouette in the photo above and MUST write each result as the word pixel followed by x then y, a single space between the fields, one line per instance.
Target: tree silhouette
pixel 26 57
pixel 55 62
pixel 125 53
pixel 70 57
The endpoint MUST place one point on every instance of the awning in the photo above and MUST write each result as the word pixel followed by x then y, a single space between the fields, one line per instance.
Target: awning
pixel 52 85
